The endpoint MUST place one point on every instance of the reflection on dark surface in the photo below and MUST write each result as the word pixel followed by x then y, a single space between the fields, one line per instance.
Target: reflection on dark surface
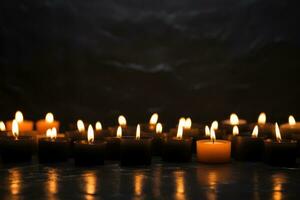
pixel 278 181
pixel 90 185
pixel 179 179
pixel 15 182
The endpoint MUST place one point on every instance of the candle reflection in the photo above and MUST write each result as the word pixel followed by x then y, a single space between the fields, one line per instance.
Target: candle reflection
pixel 90 185
pixel 52 182
pixel 278 181
pixel 138 184
pixel 212 179
pixel 157 183
pixel 179 185
pixel 15 180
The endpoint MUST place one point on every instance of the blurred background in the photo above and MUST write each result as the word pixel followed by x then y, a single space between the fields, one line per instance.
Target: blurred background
pixel 97 59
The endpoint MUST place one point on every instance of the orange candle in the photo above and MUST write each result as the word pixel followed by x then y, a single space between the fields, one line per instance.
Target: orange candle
pixel 213 151
pixel 24 125
pixel 48 123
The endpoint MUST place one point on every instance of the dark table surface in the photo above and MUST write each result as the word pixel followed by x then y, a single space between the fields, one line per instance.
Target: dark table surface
pixel 158 181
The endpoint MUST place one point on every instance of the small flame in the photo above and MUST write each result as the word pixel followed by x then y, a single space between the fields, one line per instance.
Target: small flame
pixel 48 133
pixel 98 126
pixel 277 131
pixel 49 118
pixel 15 129
pixel 215 125
pixel 255 132
pixel 153 119
pixel 188 123
pixel 90 134
pixel 292 120
pixel 2 126
pixel 179 132
pixel 234 119
pixel 212 135
pixel 53 133
pixel 122 120
pixel 207 131
pixel 138 132
pixel 235 130
pixel 262 118
pixel 119 132
pixel 19 116
pixel 80 126
pixel 181 122
pixel 159 128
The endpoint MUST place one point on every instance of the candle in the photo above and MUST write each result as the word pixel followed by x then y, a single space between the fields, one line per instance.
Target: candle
pixel 149 128
pixel 79 134
pixel 135 151
pixel 249 148
pixel 100 133
pixel 158 139
pixel 177 149
pixel 24 125
pixel 233 138
pixel 126 130
pixel 113 145
pixel 291 129
pixel 44 124
pixel 213 151
pixel 234 120
pixel 265 129
pixel 280 152
pixel 16 148
pixel 89 152
pixel 53 149
pixel 2 129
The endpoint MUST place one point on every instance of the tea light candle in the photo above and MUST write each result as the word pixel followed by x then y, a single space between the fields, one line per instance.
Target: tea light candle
pixel 24 125
pixel 280 152
pixel 158 139
pixel 113 145
pixel 48 123
pixel 89 152
pixel 265 129
pixel 126 130
pixel 53 149
pixel 135 151
pixel 213 151
pixel 79 134
pixel 152 124
pixel 100 133
pixel 177 149
pixel 234 120
pixel 2 129
pixel 291 129
pixel 16 148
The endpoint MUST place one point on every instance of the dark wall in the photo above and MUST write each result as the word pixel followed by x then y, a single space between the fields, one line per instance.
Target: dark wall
pixel 96 59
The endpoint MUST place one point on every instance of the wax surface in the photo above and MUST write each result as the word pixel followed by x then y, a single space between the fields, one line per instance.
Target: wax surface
pixel 42 125
pixel 217 152
pixel 24 126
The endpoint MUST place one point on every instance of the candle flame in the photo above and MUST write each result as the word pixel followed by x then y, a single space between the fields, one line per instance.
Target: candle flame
pixel 262 118
pixel 19 116
pixel 90 134
pixel 277 131
pixel 207 131
pixel 235 130
pixel 215 125
pixel 15 129
pixel 48 133
pixel 188 123
pixel 159 128
pixel 181 122
pixel 292 120
pixel 255 132
pixel 179 132
pixel 212 135
pixel 119 132
pixel 2 126
pixel 234 119
pixel 122 120
pixel 98 126
pixel 53 133
pixel 80 126
pixel 49 117
pixel 153 119
pixel 138 132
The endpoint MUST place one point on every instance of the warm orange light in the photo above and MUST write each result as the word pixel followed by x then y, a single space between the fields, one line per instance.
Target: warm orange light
pixel 292 120
pixel 235 130
pixel 122 120
pixel 119 132
pixel 53 133
pixel 188 123
pixel 215 125
pixel 80 126
pixel 2 126
pixel 48 133
pixel 138 132
pixel 181 122
pixel 49 117
pixel 98 126
pixel 153 119
pixel 234 119
pixel 90 134
pixel 159 128
pixel 207 131
pixel 212 135
pixel 262 118
pixel 277 131
pixel 15 129
pixel 19 116
pixel 255 132
pixel 179 132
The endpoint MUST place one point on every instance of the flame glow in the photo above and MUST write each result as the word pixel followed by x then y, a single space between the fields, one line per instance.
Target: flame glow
pixel 15 129
pixel 49 118
pixel 292 120
pixel 235 130
pixel 48 133
pixel 122 120
pixel 181 122
pixel 277 131
pixel 188 123
pixel 262 118
pixel 215 125
pixel 138 132
pixel 179 132
pixel 212 135
pixel 90 134
pixel 98 126
pixel 207 131
pixel 19 116
pixel 255 132
pixel 153 119
pixel 53 133
pixel 2 126
pixel 159 128
pixel 234 119
pixel 119 132
pixel 80 126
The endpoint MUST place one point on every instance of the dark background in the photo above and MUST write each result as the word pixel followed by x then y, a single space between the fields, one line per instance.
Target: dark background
pixel 97 59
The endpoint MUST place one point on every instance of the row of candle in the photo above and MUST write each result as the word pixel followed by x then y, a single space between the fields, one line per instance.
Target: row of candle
pixel 88 147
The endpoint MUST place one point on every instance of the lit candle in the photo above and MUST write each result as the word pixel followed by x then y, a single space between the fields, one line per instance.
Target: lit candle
pixel 157 142
pixel 213 151
pixel 234 120
pixel 126 129
pixel 265 129
pixel 153 121
pixel 113 145
pixel 135 150
pixel 79 134
pixel 291 129
pixel 148 129
pixel 44 124
pixel 24 125
pixel 280 152
pixel 100 133
pixel 2 129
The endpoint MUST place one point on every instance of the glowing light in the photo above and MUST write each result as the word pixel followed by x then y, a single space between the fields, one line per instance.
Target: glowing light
pixel 255 132
pixel 15 129
pixel 277 131
pixel 215 125
pixel 234 119
pixel 2 126
pixel 122 120
pixel 98 126
pixel 48 133
pixel 262 118
pixel 80 126
pixel 53 133
pixel 292 120
pixel 49 118
pixel 188 123
pixel 179 132
pixel 159 128
pixel 19 116
pixel 212 135
pixel 138 132
pixel 207 131
pixel 119 132
pixel 90 134
pixel 181 122
pixel 153 119
pixel 235 130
